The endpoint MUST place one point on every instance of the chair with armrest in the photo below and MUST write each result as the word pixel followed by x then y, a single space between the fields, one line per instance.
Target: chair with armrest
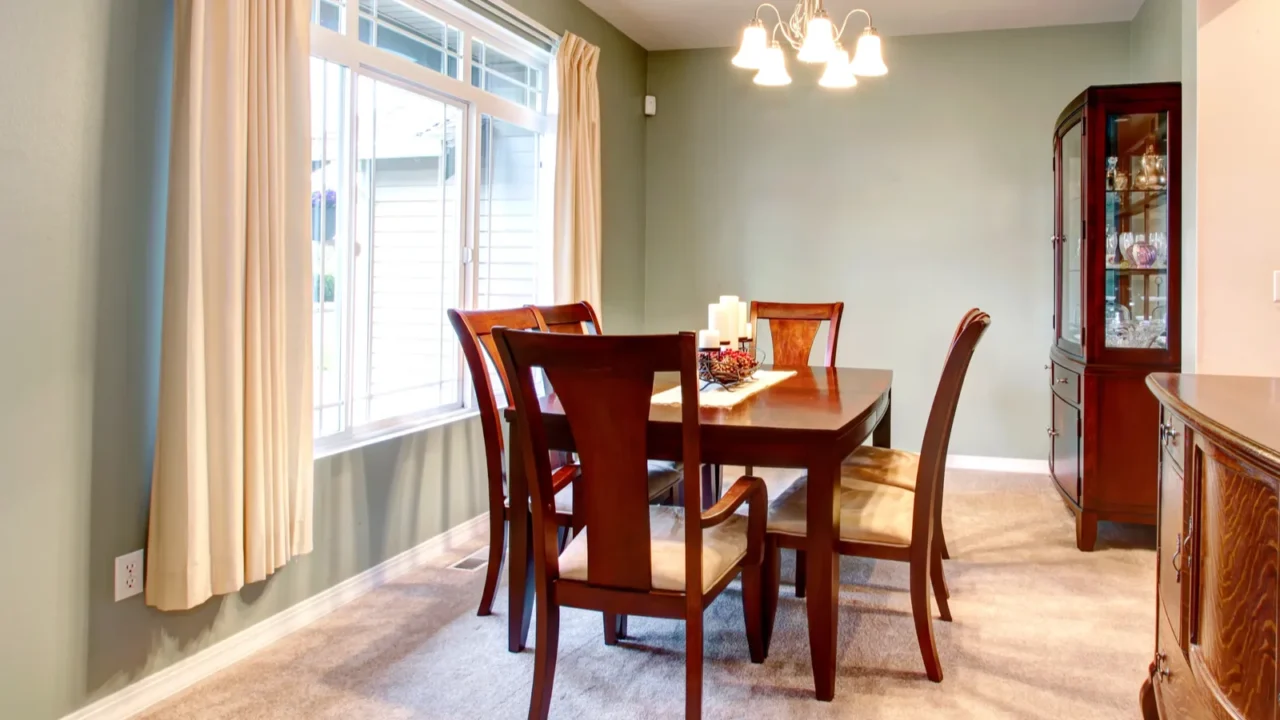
pixel 887 521
pixel 632 557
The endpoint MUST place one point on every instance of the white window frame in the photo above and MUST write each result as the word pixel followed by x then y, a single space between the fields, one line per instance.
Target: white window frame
pixel 361 59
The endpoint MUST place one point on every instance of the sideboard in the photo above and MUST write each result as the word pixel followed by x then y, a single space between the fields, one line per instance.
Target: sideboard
pixel 1218 582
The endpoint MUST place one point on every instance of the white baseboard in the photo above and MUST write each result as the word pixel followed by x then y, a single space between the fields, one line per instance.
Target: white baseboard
pixel 998 464
pixel 133 699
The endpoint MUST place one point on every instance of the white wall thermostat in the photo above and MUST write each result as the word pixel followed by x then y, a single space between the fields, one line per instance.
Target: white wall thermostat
pixel 650 105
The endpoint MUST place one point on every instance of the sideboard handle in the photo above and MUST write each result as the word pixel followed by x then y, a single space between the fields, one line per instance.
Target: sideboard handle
pixel 1177 555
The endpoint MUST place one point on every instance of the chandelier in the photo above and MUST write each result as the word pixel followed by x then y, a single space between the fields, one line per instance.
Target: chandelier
pixel 810 31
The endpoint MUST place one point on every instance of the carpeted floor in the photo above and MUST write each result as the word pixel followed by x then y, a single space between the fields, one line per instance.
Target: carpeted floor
pixel 1041 631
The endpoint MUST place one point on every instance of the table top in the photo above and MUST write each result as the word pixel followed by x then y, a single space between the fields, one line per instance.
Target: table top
pixel 814 399
pixel 1244 410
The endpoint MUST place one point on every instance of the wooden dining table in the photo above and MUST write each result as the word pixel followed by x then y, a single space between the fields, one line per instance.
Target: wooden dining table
pixel 811 422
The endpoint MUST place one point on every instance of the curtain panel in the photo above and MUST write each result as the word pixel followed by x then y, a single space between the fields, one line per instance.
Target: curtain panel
pixel 577 241
pixel 231 495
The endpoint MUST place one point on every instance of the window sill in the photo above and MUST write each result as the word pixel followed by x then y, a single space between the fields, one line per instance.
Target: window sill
pixel 354 440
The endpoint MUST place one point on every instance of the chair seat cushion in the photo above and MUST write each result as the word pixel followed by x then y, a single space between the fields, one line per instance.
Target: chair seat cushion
pixel 723 547
pixel 663 475
pixel 884 466
pixel 869 512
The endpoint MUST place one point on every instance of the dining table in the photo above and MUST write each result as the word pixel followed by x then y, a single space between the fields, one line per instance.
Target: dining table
pixel 810 421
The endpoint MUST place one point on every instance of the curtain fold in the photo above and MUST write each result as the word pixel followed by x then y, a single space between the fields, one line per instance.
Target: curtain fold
pixel 577 240
pixel 231 494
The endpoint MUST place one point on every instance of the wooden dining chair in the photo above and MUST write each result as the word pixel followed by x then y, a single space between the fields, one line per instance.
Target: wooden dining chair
pixel 898 467
pixel 632 557
pixel 581 319
pixel 475 334
pixel 887 521
pixel 793 328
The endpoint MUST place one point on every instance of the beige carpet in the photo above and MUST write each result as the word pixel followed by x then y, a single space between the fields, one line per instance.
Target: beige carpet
pixel 1040 631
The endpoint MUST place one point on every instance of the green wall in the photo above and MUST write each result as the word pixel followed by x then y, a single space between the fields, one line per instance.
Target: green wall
pixel 83 150
pixel 912 198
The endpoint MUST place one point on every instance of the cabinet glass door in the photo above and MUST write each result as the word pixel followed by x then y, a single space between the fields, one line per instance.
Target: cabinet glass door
pixel 1137 239
pixel 1071 239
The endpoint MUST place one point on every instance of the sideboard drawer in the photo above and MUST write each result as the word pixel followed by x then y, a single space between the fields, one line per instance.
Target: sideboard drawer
pixel 1066 384
pixel 1177 695
pixel 1173 435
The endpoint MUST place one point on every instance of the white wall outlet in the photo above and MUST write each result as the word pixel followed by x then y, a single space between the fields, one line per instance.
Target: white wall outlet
pixel 650 105
pixel 129 570
pixel 1275 287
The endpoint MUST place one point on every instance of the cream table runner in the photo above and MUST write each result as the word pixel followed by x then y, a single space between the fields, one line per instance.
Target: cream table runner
pixel 716 396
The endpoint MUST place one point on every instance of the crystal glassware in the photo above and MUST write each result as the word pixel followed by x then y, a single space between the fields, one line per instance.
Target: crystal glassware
pixel 1113 244
pixel 1160 242
pixel 1126 246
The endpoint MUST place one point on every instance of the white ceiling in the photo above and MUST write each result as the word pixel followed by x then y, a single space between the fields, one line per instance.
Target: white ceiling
pixel 684 24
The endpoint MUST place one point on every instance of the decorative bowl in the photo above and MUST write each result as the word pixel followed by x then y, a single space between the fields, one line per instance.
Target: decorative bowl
pixel 726 367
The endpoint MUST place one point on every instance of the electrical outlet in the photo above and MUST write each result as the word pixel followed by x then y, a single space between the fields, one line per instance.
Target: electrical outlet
pixel 1275 287
pixel 129 570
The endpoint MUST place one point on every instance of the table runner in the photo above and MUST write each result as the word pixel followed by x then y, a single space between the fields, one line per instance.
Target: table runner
pixel 716 396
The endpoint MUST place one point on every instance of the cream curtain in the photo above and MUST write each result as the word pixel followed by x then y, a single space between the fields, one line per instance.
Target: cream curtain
pixel 577 195
pixel 231 495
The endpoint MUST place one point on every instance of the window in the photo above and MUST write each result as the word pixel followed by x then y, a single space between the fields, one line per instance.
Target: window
pixel 428 193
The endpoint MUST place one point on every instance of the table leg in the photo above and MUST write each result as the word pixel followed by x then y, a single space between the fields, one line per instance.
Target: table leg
pixel 520 556
pixel 823 591
pixel 880 437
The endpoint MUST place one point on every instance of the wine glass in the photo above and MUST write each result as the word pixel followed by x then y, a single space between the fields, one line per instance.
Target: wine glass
pixel 1126 245
pixel 1160 242
pixel 1113 243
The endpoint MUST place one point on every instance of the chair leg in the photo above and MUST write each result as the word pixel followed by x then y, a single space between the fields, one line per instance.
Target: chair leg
pixel 772 582
pixel 802 572
pixel 693 667
pixel 615 628
pixel 940 591
pixel 753 610
pixel 942 541
pixel 921 612
pixel 493 573
pixel 547 642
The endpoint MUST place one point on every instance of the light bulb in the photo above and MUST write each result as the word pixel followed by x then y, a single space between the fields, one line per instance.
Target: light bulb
pixel 839 74
pixel 773 68
pixel 867 61
pixel 754 46
pixel 819 40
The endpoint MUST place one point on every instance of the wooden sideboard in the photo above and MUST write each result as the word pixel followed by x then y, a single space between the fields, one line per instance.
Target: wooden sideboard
pixel 1218 585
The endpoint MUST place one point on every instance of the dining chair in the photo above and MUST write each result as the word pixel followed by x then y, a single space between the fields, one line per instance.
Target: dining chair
pixel 581 319
pixel 898 467
pixel 632 557
pixel 887 521
pixel 475 334
pixel 793 328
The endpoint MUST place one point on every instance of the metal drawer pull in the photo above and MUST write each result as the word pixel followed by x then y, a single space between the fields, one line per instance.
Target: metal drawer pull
pixel 1176 560
pixel 1052 432
pixel 1060 381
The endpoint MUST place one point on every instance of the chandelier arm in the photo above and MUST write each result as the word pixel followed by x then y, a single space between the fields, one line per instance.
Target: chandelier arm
pixel 781 24
pixel 846 21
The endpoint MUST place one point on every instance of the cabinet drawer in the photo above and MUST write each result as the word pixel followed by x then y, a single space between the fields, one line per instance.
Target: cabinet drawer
pixel 1177 694
pixel 1066 384
pixel 1173 435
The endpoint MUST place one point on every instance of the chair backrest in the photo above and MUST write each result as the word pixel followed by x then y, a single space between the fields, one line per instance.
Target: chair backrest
pixel 604 385
pixel 475 334
pixel 937 433
pixel 794 327
pixel 573 319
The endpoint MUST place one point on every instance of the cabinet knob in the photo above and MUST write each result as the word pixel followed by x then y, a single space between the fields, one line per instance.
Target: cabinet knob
pixel 1048 367
pixel 1060 381
pixel 1052 432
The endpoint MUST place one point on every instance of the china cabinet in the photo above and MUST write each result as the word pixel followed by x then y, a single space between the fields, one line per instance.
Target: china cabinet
pixel 1117 308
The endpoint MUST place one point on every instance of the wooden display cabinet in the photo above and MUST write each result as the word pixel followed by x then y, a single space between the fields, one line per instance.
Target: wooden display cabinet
pixel 1117 246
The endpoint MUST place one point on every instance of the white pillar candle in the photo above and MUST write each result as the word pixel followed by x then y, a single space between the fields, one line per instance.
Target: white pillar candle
pixel 708 339
pixel 729 310
pixel 713 316
pixel 746 330
pixel 743 316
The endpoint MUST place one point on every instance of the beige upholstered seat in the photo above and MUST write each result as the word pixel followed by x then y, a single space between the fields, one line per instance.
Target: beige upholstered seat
pixel 869 512
pixel 882 465
pixel 723 547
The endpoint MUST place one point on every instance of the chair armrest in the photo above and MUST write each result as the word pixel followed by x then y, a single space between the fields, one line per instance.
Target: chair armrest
pixel 751 490
pixel 564 475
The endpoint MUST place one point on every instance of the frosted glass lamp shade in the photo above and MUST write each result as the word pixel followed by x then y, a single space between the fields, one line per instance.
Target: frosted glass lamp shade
pixel 773 70
pixel 867 61
pixel 819 40
pixel 839 74
pixel 755 44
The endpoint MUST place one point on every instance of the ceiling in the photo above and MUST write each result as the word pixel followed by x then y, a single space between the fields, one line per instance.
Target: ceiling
pixel 685 24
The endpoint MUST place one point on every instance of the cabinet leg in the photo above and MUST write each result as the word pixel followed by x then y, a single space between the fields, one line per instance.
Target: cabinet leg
pixel 1147 701
pixel 1086 530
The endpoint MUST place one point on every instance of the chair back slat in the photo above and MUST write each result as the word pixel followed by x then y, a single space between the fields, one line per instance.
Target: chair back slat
pixel 794 329
pixel 604 385
pixel 937 434
pixel 572 319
